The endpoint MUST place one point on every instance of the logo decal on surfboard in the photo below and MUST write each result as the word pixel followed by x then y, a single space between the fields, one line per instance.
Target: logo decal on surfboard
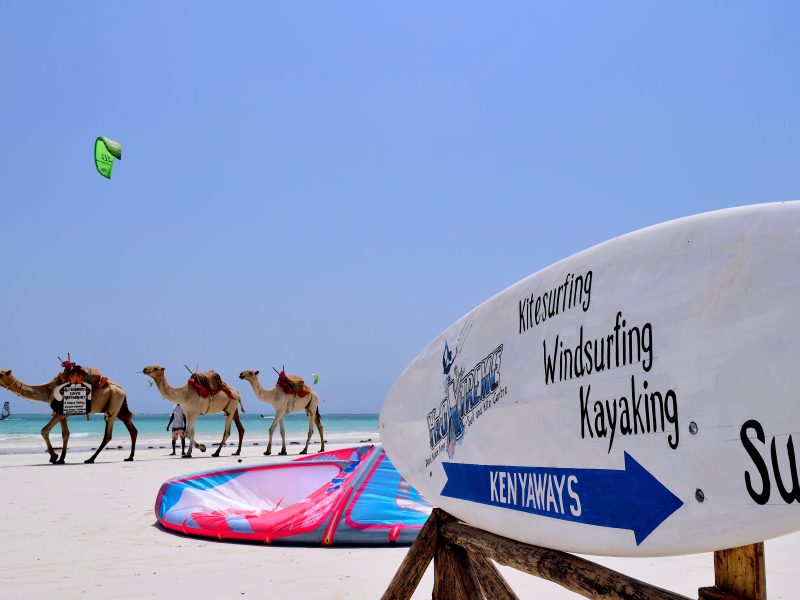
pixel 467 395
pixel 629 499
pixel 448 358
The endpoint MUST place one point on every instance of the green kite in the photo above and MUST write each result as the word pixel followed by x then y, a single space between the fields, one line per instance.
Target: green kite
pixel 105 150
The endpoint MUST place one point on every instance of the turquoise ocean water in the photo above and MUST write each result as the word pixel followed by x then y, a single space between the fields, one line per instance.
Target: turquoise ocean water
pixel 20 432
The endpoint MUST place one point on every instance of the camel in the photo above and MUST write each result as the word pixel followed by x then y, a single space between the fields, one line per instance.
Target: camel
pixel 110 400
pixel 194 405
pixel 283 404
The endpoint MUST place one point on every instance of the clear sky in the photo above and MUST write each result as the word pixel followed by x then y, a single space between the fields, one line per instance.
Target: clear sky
pixel 329 185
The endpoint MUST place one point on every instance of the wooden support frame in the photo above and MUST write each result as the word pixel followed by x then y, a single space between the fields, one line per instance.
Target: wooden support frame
pixel 738 573
pixel 463 568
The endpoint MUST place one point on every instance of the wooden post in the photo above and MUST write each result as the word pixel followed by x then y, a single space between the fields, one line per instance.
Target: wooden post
pixel 416 562
pixel 739 574
pixel 462 558
pixel 494 585
pixel 576 574
pixel 453 578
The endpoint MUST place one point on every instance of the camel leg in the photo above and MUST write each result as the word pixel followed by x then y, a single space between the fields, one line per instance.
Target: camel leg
pixel 201 447
pixel 106 438
pixel 310 433
pixel 192 443
pixel 128 422
pixel 240 428
pixel 46 435
pixel 319 428
pixel 190 432
pixel 283 438
pixel 64 440
pixel 225 435
pixel 268 451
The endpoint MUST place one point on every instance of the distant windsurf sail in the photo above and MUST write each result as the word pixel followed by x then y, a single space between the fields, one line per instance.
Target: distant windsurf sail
pixel 349 496
pixel 6 410
pixel 105 151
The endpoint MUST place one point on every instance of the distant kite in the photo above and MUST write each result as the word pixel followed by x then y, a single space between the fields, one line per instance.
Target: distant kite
pixel 105 150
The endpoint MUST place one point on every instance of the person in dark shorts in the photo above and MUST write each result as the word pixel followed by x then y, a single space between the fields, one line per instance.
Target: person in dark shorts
pixel 178 422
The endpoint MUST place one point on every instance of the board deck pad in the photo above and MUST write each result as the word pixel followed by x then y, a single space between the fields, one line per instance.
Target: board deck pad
pixel 636 399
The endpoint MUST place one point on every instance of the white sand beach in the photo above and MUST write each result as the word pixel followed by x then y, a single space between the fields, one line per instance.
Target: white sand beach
pixel 89 531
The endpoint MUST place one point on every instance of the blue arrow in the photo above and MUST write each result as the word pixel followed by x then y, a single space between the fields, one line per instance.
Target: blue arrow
pixel 629 499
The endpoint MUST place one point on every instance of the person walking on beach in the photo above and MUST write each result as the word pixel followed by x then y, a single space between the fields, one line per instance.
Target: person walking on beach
pixel 178 422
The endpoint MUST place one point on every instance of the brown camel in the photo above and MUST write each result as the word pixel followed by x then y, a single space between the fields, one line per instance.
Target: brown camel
pixel 110 400
pixel 194 405
pixel 283 404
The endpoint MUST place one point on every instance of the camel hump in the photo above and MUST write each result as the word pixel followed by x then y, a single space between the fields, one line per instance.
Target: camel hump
pixel 293 384
pixel 91 375
pixel 209 383
pixel 210 380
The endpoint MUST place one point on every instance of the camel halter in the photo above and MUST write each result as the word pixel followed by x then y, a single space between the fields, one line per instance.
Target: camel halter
pixel 18 384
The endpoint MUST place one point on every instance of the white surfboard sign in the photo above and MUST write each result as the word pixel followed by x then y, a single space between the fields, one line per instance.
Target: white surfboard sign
pixel 639 398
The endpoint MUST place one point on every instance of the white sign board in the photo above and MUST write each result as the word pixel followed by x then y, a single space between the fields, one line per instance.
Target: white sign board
pixel 638 398
pixel 75 398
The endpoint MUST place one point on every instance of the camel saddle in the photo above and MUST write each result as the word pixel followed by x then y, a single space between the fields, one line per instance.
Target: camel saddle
pixel 293 384
pixel 209 384
pixel 91 376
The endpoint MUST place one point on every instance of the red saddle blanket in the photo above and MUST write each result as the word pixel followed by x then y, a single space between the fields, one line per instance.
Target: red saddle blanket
pixel 209 384
pixel 293 384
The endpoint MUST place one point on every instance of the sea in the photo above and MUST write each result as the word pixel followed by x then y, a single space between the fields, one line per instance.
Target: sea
pixel 20 433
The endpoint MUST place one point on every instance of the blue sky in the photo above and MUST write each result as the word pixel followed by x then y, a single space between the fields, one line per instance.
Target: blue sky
pixel 329 185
